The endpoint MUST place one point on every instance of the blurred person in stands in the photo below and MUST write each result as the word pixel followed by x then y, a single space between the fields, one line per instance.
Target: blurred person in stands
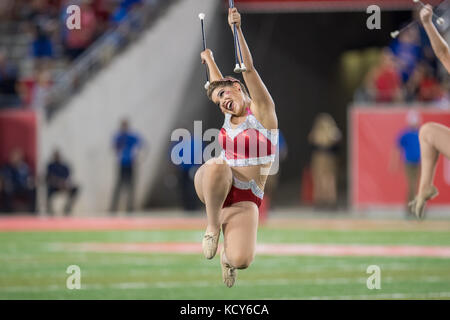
pixel 122 10
pixel 41 46
pixel 407 51
pixel 9 96
pixel 58 180
pixel 324 139
pixel 42 24
pixel 6 9
pixel 40 12
pixel 127 145
pixel 384 84
pixel 364 93
pixel 121 14
pixel 18 183
pixel 423 86
pixel 77 40
pixel 434 137
pixel 408 149
pixel 102 10
pixel 41 90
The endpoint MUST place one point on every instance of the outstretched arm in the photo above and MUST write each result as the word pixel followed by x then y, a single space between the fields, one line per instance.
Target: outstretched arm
pixel 258 91
pixel 208 58
pixel 438 43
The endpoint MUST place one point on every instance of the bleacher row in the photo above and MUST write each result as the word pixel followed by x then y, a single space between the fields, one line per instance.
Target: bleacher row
pixel 36 46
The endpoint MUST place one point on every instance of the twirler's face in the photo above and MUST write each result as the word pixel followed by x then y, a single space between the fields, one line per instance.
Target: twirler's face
pixel 230 99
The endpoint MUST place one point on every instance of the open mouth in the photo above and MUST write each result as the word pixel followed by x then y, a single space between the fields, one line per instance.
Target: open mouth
pixel 229 105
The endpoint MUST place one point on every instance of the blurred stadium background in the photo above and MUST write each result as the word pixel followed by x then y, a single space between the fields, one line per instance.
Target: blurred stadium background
pixel 139 60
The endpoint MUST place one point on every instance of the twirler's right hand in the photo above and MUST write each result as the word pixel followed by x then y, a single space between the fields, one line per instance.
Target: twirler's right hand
pixel 206 54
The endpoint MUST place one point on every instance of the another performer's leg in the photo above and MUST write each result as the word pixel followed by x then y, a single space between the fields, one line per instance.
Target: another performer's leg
pixel 434 139
pixel 213 182
pixel 240 226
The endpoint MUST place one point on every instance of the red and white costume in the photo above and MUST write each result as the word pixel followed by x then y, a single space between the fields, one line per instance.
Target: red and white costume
pixel 248 144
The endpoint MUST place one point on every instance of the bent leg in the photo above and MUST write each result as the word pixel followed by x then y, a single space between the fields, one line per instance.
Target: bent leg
pixel 434 139
pixel 240 226
pixel 213 183
pixel 71 196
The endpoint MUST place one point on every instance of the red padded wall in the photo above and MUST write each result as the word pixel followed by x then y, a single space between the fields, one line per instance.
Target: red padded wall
pixel 373 133
pixel 18 129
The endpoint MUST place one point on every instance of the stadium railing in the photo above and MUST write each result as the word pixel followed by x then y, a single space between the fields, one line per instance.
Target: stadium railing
pixel 99 54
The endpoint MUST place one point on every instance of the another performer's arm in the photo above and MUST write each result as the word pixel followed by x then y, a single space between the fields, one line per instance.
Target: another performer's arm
pixel 208 58
pixel 258 91
pixel 438 43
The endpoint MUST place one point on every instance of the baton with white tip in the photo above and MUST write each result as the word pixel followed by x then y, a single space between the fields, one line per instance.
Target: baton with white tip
pixel 201 16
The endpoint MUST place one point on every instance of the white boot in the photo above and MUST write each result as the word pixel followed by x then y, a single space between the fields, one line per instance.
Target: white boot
pixel 229 273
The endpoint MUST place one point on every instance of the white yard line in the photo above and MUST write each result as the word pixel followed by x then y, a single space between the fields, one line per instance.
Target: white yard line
pixel 286 249
pixel 430 295
pixel 242 283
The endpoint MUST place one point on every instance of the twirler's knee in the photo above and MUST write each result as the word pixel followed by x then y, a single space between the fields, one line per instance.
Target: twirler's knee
pixel 426 131
pixel 240 260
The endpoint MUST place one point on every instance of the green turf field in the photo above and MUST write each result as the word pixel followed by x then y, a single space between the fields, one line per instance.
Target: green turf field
pixel 32 269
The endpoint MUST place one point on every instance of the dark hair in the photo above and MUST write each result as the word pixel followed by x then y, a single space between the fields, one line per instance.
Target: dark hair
pixel 225 82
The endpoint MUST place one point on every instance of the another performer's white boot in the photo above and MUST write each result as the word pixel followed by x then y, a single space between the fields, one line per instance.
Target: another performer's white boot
pixel 417 206
pixel 210 243
pixel 229 273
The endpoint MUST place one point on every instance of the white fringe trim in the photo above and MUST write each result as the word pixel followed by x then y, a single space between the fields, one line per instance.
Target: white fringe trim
pixel 252 185
pixel 247 162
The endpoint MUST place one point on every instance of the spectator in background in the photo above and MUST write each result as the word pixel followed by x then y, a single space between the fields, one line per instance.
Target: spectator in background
pixel 77 40
pixel 41 46
pixel 102 10
pixel 58 180
pixel 407 51
pixel 8 83
pixel 6 9
pixel 365 92
pixel 408 147
pixel 324 138
pixel 423 86
pixel 384 82
pixel 122 10
pixel 126 145
pixel 41 90
pixel 187 169
pixel 42 24
pixel 18 183
pixel 41 13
